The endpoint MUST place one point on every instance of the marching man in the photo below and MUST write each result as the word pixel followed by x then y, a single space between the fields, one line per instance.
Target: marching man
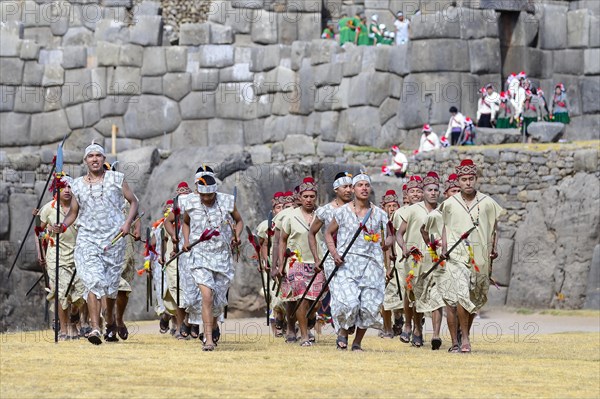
pixel 210 261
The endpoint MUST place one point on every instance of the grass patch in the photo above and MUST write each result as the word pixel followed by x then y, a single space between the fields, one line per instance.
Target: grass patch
pixel 525 311
pixel 258 366
pixel 571 312
pixel 353 148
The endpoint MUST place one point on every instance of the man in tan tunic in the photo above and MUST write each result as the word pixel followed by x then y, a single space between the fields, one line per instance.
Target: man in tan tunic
pixel 466 281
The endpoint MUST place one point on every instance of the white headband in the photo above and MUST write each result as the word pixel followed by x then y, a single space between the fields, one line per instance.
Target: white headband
pixel 342 181
pixel 202 189
pixel 361 177
pixel 68 180
pixel 93 148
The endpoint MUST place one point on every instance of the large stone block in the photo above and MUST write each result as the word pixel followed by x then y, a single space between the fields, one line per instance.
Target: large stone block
pixel 236 101
pixel 48 127
pixel 477 24
pixel 191 134
pixel 151 116
pixel 131 55
pixel 107 54
pixel 590 93
pixel 15 129
pixel 546 132
pixel 322 51
pixel 154 63
pixel 194 34
pixel 253 131
pixel 177 85
pixel 592 292
pixel 591 61
pixel 521 31
pixel 569 62
pixel 444 24
pixel 595 31
pixel 236 73
pixel 205 80
pixel 399 60
pixel 78 36
pixel 264 27
pixel 10 44
pixel 304 91
pixel 74 57
pixel 78 87
pixel 387 110
pixel 124 80
pixel 75 116
pixel 33 73
pixel 198 105
pixel 264 58
pixel 369 88
pixel 112 30
pixel 439 55
pixel 29 99
pixel 299 50
pixel 426 98
pixel 298 144
pixel 358 126
pixel 30 50
pixel 553 26
pixel 11 71
pixel 287 27
pixel 216 56
pixel 484 55
pixel 351 60
pixel 486 136
pixel 54 75
pixel 535 62
pixel 309 26
pixel 147 31
pixel 7 98
pixel 148 7
pixel 584 127
pixel 578 28
pixel 225 132
pixel 91 114
pixel 116 105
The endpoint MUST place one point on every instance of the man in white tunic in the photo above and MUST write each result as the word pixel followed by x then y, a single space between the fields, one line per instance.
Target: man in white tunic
pixel 210 261
pixel 359 291
pixel 97 205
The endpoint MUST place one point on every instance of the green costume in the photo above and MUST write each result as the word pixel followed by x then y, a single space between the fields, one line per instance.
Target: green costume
pixel 363 36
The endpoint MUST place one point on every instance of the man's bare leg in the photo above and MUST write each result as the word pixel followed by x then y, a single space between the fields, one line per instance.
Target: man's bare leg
pixel 436 319
pixel 122 300
pixel 94 307
pixel 387 324
pixel 408 319
pixel 303 320
pixel 463 320
pixel 207 315
pixel 356 344
pixel 452 320
pixel 291 321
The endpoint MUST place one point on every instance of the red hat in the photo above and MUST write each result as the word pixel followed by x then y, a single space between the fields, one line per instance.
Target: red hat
pixel 431 178
pixel 395 149
pixel 468 120
pixel 278 198
pixel 426 128
pixel 466 168
pixel 288 197
pixel 451 182
pixel 183 188
pixel 540 92
pixel 415 181
pixel 389 197
pixel 308 184
pixel 503 95
pixel 562 86
pixel 183 185
pixel 169 202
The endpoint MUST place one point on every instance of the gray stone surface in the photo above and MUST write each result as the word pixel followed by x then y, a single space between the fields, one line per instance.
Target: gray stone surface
pixel 74 57
pixel 553 26
pixel 220 34
pixel 591 61
pixel 585 127
pixel 541 268
pixel 147 30
pixel 264 58
pixel 358 126
pixel 261 154
pixel 107 54
pixel 79 87
pixel 29 99
pixel 124 80
pixel 193 133
pixel 569 62
pixel 176 59
pixel 322 51
pixel 438 25
pixel 152 85
pixel 439 55
pixel 7 98
pixel 177 85
pixel 330 149
pixel 91 114
pixel 236 101
pixel 264 27
pixel 496 297
pixel 225 132
pixel 117 105
pixel 590 92
pixel 53 75
pixel 30 50
pixel 155 63
pixel 198 105
pixel 578 28
pixel 215 56
pixel 131 55
pixel 12 71
pixel 48 127
pixel 75 116
pixel 546 132
pixel 205 80
pixel 297 144
pixel 503 263
pixel 15 129
pixel 486 136
pixel 595 31
pixel 111 30
pixel 151 116
pixel 477 24
pixel 78 36
pixel 592 292
pixel 484 55
pixel 194 34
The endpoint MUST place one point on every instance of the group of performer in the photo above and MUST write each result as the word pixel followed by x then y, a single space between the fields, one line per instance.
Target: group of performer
pixel 348 262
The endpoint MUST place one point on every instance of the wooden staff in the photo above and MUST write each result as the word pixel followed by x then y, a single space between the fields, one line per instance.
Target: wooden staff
pixel 447 254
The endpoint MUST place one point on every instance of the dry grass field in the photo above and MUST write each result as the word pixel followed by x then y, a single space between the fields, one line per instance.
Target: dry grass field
pixel 249 364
